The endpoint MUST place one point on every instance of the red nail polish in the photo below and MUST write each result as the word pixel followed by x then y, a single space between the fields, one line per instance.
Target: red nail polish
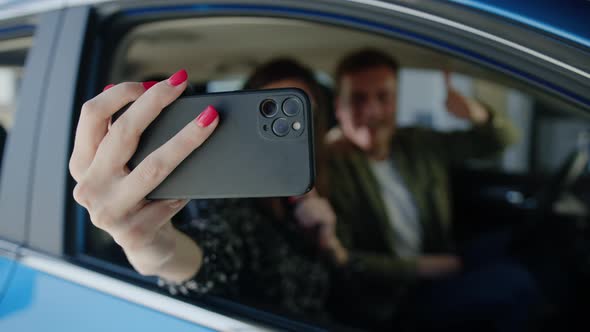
pixel 178 78
pixel 207 116
pixel 108 87
pixel 148 84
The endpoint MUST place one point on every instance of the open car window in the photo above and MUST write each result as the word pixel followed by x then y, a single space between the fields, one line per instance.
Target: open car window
pixel 213 51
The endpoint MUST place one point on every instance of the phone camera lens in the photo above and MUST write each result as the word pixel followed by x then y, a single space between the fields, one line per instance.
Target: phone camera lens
pixel 268 108
pixel 280 127
pixel 291 106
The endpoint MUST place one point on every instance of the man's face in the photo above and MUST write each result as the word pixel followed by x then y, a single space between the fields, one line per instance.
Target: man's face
pixel 366 107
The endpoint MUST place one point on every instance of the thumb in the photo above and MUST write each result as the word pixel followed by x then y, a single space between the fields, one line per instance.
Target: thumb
pixel 312 193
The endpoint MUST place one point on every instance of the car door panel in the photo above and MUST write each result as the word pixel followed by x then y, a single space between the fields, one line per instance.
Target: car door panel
pixel 7 263
pixel 40 301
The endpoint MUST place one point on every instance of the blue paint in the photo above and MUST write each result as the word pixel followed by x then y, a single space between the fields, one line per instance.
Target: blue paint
pixel 228 9
pixel 569 19
pixel 35 301
pixel 23 286
pixel 25 29
pixel 6 267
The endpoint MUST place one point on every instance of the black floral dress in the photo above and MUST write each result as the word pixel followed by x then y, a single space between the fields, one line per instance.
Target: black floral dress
pixel 251 257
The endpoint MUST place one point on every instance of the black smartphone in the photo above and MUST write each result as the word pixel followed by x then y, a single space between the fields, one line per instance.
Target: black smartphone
pixel 262 147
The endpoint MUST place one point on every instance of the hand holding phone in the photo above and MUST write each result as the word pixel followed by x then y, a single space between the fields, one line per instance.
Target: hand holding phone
pixel 115 196
pixel 263 146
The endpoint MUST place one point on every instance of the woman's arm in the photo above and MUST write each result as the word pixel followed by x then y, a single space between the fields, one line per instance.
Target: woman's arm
pixel 115 196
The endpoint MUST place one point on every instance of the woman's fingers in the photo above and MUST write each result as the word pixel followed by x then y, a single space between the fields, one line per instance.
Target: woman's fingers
pixel 141 227
pixel 93 122
pixel 123 137
pixel 160 163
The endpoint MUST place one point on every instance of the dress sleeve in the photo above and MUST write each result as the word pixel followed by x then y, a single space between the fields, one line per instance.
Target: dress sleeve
pixel 222 263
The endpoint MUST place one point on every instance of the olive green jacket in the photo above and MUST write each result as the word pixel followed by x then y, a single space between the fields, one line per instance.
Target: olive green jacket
pixel 422 157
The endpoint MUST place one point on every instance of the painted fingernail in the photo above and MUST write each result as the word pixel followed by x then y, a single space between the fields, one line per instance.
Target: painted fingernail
pixel 207 116
pixel 178 78
pixel 108 87
pixel 148 84
pixel 292 200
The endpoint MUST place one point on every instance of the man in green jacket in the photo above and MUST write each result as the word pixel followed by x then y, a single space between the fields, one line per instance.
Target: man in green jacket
pixel 390 190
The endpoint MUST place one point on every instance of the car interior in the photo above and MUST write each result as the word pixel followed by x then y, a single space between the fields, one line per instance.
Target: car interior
pixel 539 187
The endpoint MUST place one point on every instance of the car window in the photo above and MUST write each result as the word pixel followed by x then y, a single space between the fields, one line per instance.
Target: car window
pixel 13 53
pixel 212 51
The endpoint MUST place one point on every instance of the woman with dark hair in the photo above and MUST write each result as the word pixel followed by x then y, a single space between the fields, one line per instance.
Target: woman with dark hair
pixel 287 73
pixel 312 211
pixel 271 252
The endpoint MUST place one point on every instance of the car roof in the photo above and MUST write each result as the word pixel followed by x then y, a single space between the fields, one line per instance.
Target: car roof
pixel 567 19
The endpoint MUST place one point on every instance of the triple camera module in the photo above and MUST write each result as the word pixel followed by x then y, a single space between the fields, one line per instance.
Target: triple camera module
pixel 285 113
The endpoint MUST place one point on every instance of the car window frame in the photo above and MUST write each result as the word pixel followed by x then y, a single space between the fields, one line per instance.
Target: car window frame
pixel 21 144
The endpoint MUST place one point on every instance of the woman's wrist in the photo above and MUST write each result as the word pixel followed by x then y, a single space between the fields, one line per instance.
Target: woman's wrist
pixel 184 262
pixel 171 255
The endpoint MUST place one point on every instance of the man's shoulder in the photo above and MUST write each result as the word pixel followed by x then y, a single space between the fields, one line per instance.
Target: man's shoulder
pixel 339 147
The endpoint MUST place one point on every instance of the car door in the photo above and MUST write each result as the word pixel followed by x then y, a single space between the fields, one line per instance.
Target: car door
pixel 55 257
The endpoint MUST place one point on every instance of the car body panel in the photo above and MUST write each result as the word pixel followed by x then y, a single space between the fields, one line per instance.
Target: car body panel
pixel 39 301
pixel 567 19
pixel 6 267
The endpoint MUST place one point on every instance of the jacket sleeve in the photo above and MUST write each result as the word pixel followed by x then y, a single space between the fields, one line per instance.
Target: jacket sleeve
pixel 486 140
pixel 375 268
pixel 381 269
pixel 363 267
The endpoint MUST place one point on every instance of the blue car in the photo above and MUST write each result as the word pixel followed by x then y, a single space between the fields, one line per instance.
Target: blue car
pixel 530 60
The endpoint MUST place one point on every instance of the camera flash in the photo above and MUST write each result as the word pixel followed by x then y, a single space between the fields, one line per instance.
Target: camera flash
pixel 296 125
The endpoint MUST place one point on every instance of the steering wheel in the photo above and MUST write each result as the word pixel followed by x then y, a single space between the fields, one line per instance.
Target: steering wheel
pixel 568 174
